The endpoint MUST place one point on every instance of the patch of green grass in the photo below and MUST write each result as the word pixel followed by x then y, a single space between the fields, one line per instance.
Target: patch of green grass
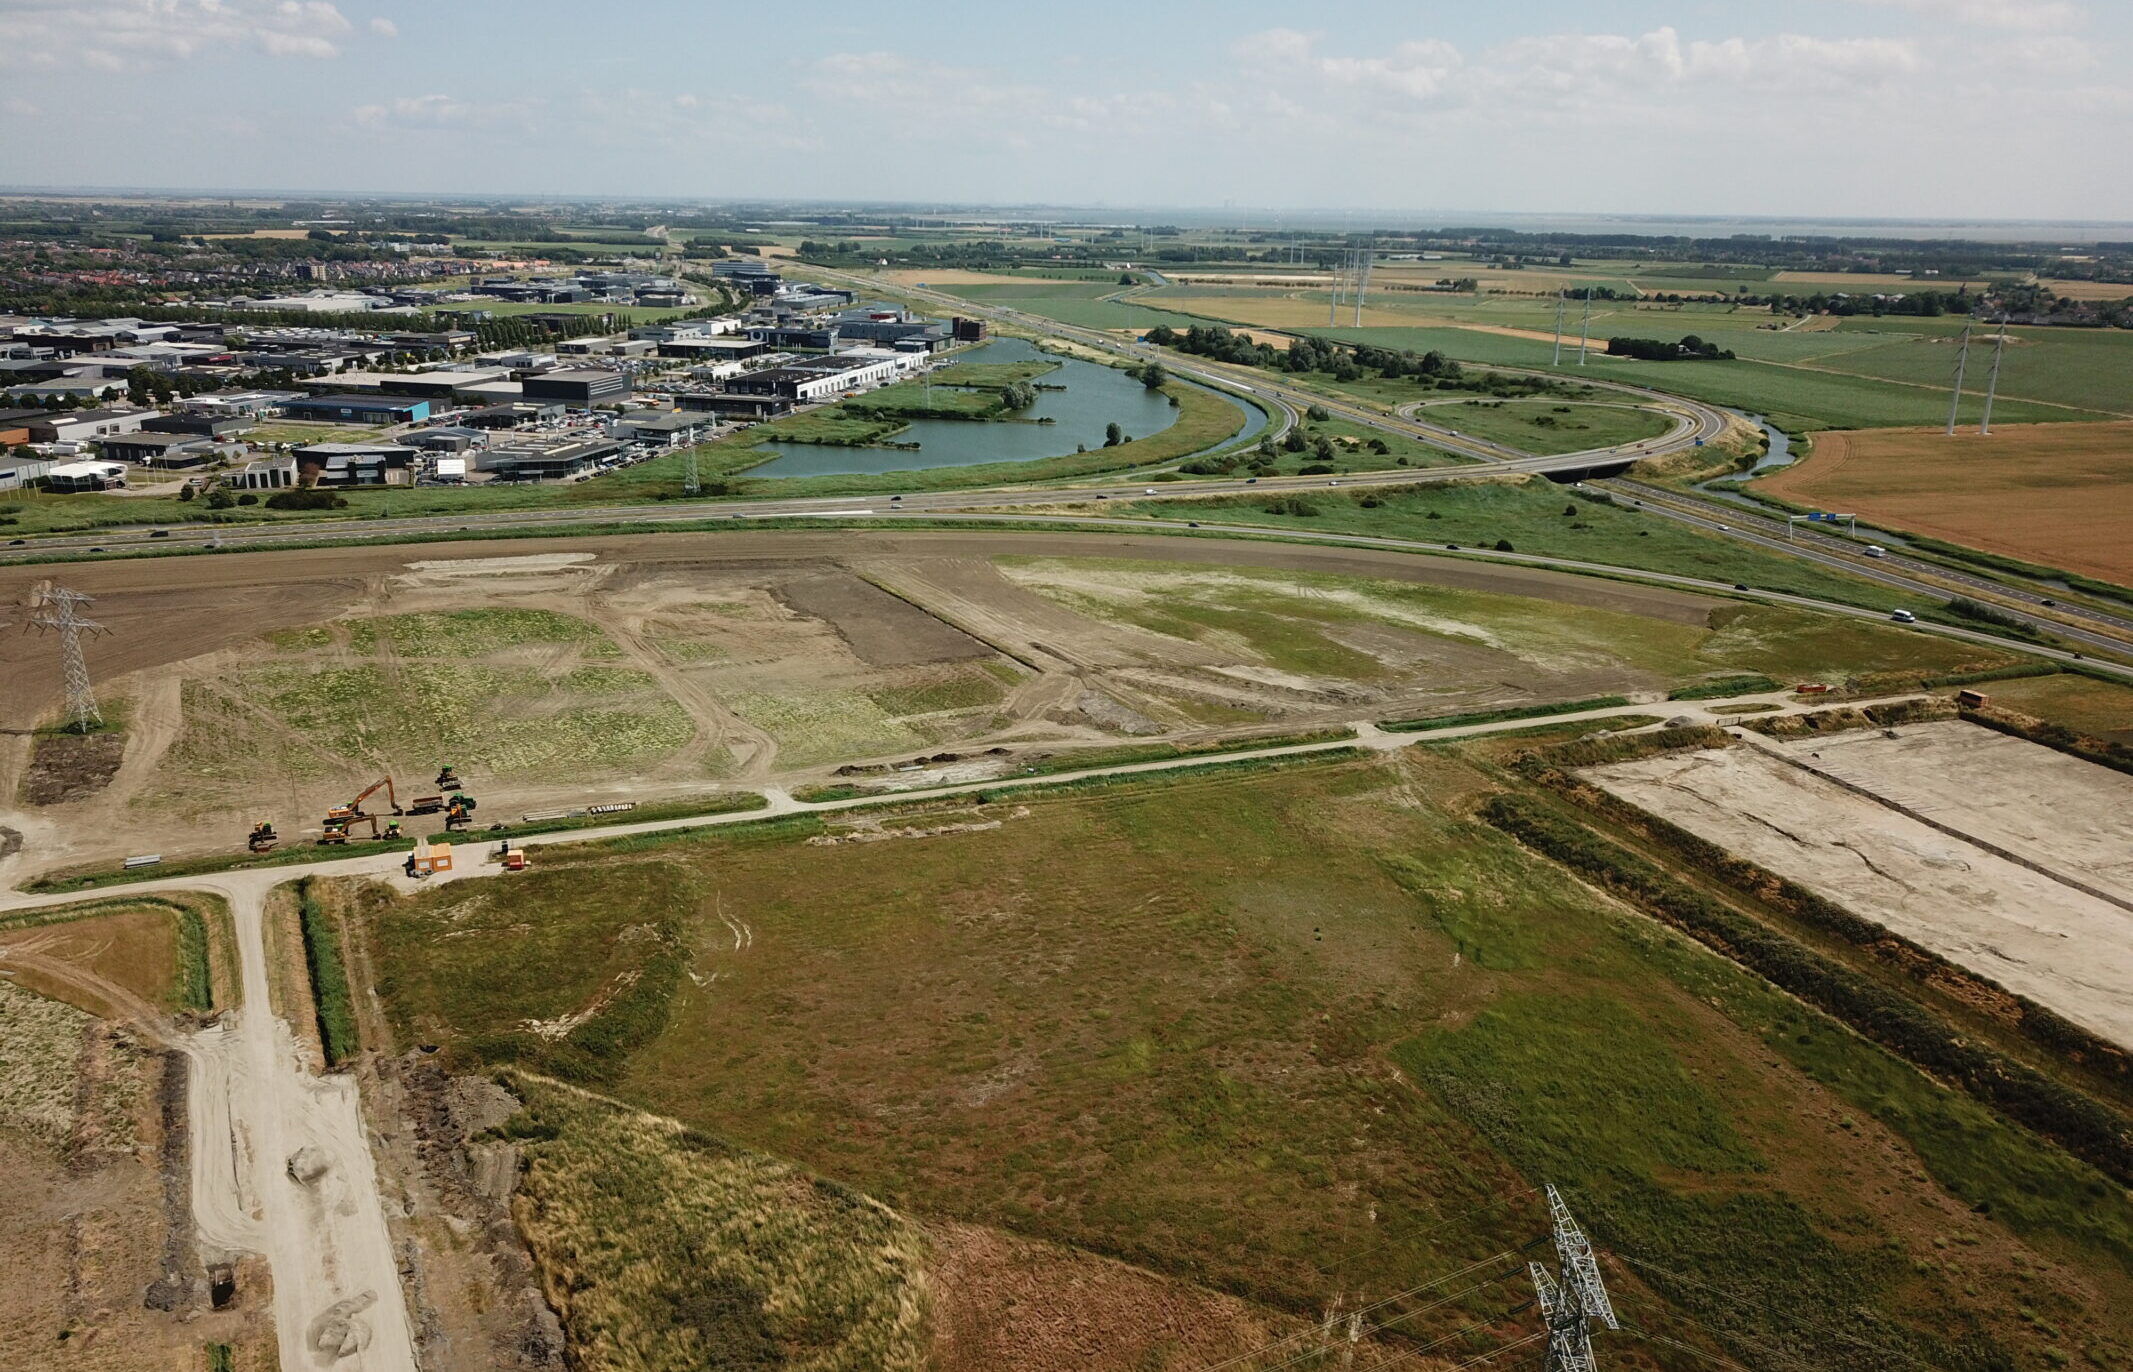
pixel 477 632
pixel 962 691
pixel 723 803
pixel 330 995
pixel 831 724
pixel 993 376
pixel 1529 516
pixel 1548 425
pixel 1799 645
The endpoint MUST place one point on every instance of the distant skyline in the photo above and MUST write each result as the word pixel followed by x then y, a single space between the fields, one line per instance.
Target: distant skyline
pixel 1971 110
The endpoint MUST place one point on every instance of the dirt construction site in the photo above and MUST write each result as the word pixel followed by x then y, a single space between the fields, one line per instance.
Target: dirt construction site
pixel 633 671
pixel 2007 858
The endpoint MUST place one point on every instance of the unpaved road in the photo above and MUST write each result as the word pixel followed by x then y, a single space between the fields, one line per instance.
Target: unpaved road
pixel 255 1104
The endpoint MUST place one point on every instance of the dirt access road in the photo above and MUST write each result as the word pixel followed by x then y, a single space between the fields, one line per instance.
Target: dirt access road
pixel 282 1167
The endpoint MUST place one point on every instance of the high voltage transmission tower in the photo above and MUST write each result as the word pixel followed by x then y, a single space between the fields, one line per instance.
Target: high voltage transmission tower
pixel 1992 387
pixel 1573 1296
pixel 60 609
pixel 1955 396
pixel 690 485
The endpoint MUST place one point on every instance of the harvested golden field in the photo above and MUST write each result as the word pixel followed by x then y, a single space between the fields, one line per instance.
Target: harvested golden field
pixel 2056 494
pixel 2089 290
pixel 1871 281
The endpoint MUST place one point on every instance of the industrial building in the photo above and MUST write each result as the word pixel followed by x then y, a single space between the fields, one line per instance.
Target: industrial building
pixel 359 409
pixel 97 475
pixel 83 426
pixel 158 450
pixel 556 459
pixel 816 379
pixel 673 428
pixel 580 389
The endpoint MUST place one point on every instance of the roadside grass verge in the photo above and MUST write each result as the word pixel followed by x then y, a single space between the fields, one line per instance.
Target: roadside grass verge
pixel 91 876
pixel 1562 707
pixel 1726 686
pixel 643 814
pixel 332 1000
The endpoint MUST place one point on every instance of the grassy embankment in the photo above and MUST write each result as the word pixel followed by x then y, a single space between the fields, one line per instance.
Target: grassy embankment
pixel 1267 1070
pixel 332 1001
pixel 1534 516
pixel 160 948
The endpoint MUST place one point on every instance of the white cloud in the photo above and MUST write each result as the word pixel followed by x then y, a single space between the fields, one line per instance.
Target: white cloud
pixel 438 111
pixel 1997 14
pixel 384 28
pixel 20 108
pixel 129 35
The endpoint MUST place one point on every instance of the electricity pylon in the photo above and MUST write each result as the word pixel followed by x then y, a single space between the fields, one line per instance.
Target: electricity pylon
pixel 690 485
pixel 60 609
pixel 1955 398
pixel 1585 326
pixel 1992 387
pixel 1558 359
pixel 1573 1296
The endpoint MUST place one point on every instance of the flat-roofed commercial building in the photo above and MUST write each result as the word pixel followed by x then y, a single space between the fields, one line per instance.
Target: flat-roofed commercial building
pixel 580 388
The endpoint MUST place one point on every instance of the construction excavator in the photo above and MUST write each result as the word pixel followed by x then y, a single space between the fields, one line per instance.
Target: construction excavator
pixel 354 808
pixel 263 837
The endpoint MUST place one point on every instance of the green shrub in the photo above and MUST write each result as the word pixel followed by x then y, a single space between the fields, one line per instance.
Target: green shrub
pixel 1726 686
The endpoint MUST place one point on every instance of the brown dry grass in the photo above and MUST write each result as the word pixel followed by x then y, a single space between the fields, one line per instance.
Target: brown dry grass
pixel 2056 494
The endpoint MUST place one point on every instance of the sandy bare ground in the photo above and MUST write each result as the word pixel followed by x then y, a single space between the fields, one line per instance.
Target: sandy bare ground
pixel 2032 931
pixel 256 1106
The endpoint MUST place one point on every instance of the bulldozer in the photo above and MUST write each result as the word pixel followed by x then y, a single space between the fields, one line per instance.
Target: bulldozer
pixel 447 779
pixel 460 812
pixel 263 837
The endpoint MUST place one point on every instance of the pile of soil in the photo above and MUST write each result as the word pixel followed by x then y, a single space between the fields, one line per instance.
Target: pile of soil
pixel 66 767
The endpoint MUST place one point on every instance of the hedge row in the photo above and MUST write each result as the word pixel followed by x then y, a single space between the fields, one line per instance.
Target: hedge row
pixel 329 977
pixel 195 989
pixel 2116 756
pixel 2077 1123
pixel 2040 1025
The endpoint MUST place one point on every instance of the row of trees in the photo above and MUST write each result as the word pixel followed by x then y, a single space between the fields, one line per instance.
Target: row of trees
pixel 1690 347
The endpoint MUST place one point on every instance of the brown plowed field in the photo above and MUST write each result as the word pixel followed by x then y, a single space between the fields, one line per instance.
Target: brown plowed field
pixel 2056 494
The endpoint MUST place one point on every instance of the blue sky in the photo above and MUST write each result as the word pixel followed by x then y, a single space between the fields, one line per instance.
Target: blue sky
pixel 1899 108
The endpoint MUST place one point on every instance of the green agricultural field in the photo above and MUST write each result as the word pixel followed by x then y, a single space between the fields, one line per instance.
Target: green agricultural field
pixel 1284 1032
pixel 831 724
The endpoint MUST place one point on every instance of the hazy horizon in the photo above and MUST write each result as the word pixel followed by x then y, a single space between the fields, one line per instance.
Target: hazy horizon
pixel 1912 111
